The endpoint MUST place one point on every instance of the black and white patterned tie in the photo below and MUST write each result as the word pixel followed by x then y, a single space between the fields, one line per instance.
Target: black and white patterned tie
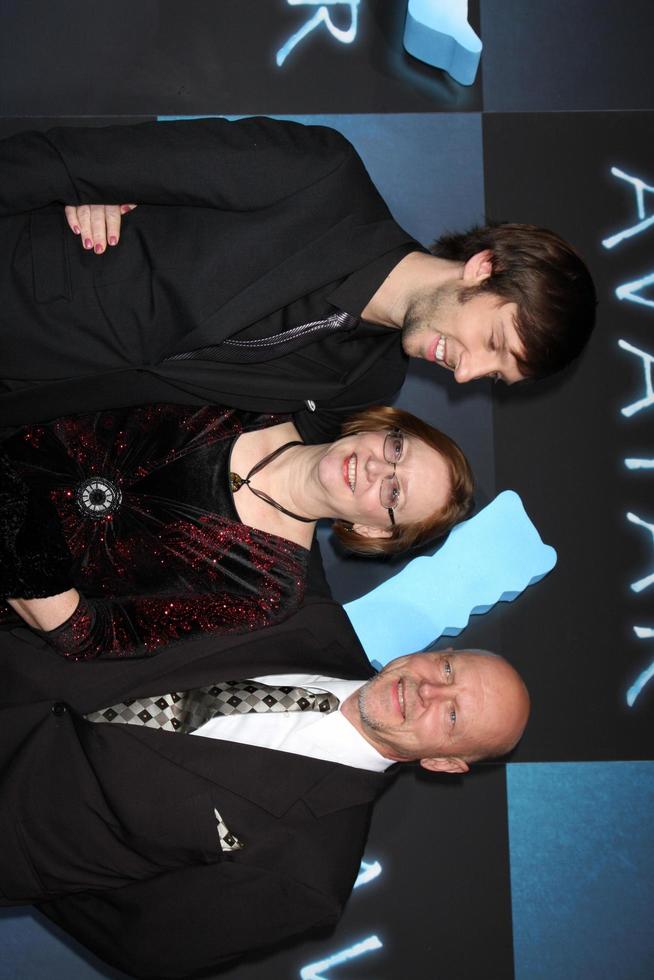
pixel 235 351
pixel 186 711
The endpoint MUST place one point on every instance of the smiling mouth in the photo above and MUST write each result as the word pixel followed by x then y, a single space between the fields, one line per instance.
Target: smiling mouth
pixel 439 352
pixel 350 467
pixel 400 698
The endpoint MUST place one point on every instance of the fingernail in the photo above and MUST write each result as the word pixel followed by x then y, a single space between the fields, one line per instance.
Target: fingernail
pixel 125 209
pixel 99 249
pixel 113 240
pixel 88 243
pixel 76 229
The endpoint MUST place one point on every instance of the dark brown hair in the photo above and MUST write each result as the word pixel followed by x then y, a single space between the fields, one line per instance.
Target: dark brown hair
pixel 544 277
pixel 406 536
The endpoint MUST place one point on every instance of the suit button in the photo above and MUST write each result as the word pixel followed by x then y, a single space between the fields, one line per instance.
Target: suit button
pixel 59 708
pixel 311 405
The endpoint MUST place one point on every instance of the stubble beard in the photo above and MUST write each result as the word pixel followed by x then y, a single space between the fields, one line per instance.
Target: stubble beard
pixel 374 724
pixel 430 311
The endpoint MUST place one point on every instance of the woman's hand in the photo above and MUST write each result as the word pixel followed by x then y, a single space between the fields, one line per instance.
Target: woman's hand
pixel 97 224
pixel 48 613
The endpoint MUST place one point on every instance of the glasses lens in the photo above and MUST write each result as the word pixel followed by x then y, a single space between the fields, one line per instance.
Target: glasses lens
pixel 389 492
pixel 393 446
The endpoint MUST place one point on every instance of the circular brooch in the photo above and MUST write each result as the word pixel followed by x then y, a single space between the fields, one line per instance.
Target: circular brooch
pixel 97 497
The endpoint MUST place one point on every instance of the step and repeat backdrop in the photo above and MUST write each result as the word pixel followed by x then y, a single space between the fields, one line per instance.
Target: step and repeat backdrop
pixel 541 868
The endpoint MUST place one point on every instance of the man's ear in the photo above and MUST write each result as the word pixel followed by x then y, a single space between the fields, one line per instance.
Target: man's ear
pixel 372 532
pixel 445 764
pixel 478 267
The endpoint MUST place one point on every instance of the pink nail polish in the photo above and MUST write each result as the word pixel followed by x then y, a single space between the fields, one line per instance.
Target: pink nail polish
pixel 76 229
pixel 113 240
pixel 99 249
pixel 88 243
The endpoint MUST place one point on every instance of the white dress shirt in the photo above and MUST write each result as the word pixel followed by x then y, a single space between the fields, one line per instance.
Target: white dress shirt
pixel 321 736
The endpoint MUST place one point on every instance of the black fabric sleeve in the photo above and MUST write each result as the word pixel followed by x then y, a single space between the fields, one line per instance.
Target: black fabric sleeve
pixel 191 921
pixel 242 165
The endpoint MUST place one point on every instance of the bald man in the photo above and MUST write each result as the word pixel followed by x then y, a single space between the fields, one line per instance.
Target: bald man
pixel 168 852
pixel 444 710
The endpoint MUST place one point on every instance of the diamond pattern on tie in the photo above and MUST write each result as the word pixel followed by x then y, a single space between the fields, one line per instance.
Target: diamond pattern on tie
pixel 228 840
pixel 187 711
pixel 158 712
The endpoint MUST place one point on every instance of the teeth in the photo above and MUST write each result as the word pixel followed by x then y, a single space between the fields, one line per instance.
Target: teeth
pixel 352 472
pixel 439 351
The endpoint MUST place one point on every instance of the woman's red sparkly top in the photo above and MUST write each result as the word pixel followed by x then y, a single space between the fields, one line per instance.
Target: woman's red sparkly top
pixel 140 499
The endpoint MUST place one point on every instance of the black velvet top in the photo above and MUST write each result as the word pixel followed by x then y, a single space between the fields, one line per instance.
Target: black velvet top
pixel 133 508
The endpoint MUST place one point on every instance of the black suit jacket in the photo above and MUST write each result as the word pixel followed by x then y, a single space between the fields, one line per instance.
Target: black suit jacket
pixel 235 220
pixel 112 830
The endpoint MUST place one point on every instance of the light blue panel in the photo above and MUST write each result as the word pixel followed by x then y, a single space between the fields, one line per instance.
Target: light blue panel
pixel 491 558
pixel 427 166
pixel 32 950
pixel 582 870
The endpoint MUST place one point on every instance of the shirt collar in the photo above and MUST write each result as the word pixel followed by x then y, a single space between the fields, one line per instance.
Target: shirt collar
pixel 354 292
pixel 332 736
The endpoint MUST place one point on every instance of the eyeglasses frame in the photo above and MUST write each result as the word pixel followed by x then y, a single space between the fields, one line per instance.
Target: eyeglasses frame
pixel 394 431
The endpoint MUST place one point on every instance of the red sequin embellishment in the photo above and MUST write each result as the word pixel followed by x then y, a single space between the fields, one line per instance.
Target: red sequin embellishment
pixel 170 560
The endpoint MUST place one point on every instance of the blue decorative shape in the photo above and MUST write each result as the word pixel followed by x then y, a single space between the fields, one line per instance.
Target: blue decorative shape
pixel 318 971
pixel 321 16
pixel 643 583
pixel 648 366
pixel 438 33
pixel 643 633
pixel 368 872
pixel 644 678
pixel 640 187
pixel 491 558
pixel 631 290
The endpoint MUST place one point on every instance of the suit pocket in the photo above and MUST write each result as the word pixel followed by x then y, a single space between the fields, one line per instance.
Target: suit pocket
pixel 180 833
pixel 50 264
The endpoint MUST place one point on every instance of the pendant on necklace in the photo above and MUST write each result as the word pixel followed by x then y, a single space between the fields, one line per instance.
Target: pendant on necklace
pixel 235 481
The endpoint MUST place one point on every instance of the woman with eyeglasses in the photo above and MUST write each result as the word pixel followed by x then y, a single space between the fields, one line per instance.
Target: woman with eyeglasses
pixel 126 530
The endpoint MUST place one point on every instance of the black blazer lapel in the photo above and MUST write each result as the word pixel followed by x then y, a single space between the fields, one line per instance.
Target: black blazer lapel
pixel 271 779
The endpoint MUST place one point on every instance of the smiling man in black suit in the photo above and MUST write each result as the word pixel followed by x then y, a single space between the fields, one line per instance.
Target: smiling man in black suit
pixel 171 850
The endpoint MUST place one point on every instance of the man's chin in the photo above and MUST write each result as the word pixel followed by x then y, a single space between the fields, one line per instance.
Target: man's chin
pixel 369 716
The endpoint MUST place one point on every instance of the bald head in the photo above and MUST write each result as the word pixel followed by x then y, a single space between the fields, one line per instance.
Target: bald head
pixel 445 709
pixel 506 704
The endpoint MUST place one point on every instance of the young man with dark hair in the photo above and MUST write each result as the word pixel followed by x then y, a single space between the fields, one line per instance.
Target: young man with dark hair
pixel 261 269
pixel 544 277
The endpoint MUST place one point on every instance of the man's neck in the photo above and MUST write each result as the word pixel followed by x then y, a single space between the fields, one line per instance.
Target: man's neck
pixel 415 272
